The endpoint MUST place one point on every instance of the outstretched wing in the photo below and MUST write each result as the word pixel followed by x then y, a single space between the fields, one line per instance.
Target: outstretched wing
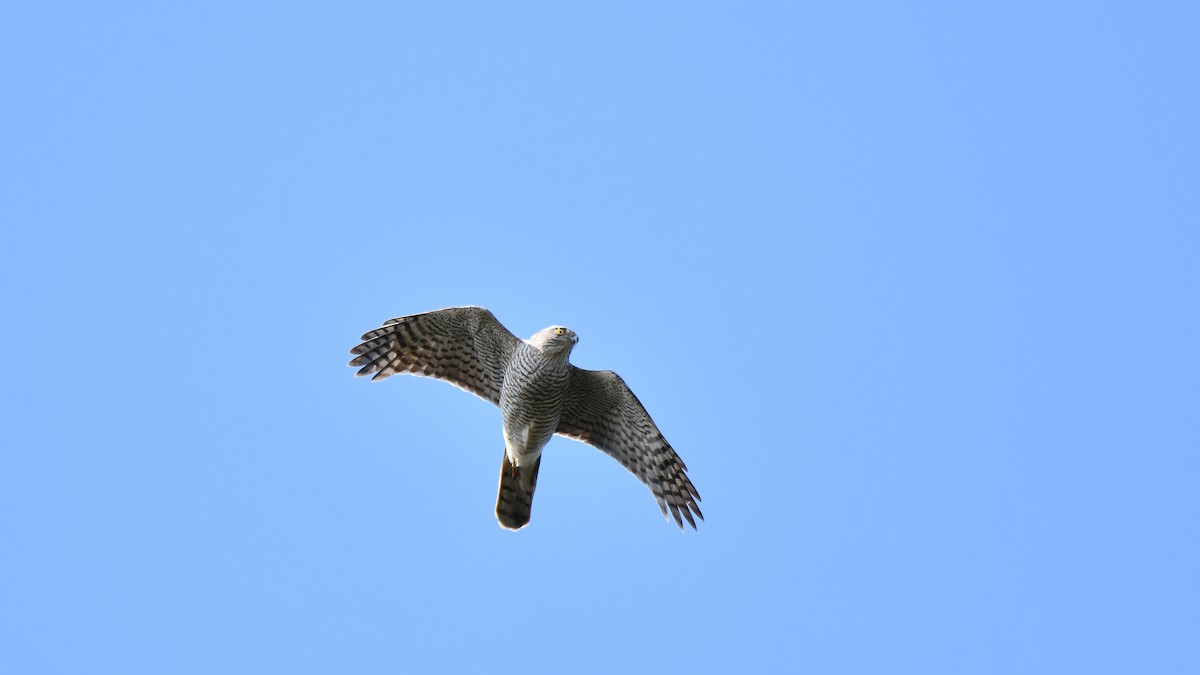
pixel 600 410
pixel 465 346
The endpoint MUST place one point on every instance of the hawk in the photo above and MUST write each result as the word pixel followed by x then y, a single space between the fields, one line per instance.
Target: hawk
pixel 539 394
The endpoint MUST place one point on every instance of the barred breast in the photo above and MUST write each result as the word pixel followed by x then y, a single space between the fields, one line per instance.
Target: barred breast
pixel 531 401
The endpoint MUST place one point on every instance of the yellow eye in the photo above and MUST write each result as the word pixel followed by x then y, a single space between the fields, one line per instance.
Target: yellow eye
pixel 560 330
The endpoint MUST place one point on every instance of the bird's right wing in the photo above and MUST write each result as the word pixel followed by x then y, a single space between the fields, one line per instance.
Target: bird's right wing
pixel 465 346
pixel 600 410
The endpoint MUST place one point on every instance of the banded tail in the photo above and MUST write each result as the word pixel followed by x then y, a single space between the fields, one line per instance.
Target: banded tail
pixel 515 500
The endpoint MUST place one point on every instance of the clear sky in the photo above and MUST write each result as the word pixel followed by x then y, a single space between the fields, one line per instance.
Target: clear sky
pixel 911 287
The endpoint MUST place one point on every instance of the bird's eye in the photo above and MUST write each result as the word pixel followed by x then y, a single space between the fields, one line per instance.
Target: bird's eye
pixel 560 330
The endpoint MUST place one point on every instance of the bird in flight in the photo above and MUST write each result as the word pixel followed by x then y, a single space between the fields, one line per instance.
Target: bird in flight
pixel 539 394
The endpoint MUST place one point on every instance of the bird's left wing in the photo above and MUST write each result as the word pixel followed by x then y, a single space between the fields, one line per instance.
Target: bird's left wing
pixel 600 410
pixel 465 346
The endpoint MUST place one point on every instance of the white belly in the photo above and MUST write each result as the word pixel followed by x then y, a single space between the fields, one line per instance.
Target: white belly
pixel 523 445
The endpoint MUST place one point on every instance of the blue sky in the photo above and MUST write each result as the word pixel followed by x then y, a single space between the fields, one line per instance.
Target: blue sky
pixel 912 289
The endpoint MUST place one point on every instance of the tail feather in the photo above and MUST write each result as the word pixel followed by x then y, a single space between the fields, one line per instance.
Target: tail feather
pixel 515 499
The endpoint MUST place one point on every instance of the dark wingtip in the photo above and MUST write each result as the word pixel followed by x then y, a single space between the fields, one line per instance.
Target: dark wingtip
pixel 688 514
pixel 678 518
pixel 365 370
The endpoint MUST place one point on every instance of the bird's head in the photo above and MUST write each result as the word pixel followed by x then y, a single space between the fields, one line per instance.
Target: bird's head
pixel 555 340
